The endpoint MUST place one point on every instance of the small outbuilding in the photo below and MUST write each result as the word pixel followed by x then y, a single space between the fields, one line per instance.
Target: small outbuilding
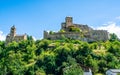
pixel 113 72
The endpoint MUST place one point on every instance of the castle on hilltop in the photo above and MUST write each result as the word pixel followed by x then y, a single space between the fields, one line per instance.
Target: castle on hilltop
pixel 12 36
pixel 77 31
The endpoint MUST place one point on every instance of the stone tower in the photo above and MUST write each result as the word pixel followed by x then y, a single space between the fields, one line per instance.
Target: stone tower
pixel 12 36
pixel 68 21
pixel 13 31
pixel 45 34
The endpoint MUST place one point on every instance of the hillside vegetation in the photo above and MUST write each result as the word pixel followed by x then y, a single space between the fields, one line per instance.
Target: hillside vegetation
pixel 58 57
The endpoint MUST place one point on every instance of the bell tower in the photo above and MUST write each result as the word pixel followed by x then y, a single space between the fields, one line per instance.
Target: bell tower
pixel 13 31
pixel 68 21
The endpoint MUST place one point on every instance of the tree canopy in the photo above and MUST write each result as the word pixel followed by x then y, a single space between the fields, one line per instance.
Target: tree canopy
pixel 58 57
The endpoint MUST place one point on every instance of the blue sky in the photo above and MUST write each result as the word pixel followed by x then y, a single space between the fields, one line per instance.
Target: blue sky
pixel 35 16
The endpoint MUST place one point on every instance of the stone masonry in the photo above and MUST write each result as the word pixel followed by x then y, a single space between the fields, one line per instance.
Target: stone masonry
pixel 86 34
pixel 12 36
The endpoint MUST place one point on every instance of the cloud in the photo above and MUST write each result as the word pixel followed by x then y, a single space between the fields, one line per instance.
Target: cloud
pixel 2 36
pixel 111 27
pixel 34 38
pixel 117 18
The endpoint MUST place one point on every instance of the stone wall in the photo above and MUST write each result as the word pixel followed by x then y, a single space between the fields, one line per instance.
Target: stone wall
pixel 55 36
pixel 98 35
pixel 88 33
pixel 12 36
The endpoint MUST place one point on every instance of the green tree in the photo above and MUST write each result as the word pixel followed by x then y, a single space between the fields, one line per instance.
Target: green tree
pixel 51 32
pixel 94 45
pixel 84 50
pixel 72 68
pixel 113 37
pixel 102 66
pixel 62 53
pixel 40 71
pixel 74 29
pixel 62 31
pixel 90 62
pixel 13 64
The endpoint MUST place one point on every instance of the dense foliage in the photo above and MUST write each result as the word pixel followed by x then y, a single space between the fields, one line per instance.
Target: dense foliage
pixel 74 29
pixel 58 57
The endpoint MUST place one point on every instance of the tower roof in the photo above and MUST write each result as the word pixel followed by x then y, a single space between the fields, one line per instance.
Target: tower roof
pixel 13 27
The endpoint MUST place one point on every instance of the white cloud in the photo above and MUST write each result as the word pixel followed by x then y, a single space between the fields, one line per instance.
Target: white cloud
pixel 34 38
pixel 118 18
pixel 2 36
pixel 111 27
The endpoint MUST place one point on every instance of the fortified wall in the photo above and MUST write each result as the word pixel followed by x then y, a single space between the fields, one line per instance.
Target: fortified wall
pixel 77 31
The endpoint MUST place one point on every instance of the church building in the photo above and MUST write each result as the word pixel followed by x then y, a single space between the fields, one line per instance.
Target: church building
pixel 12 36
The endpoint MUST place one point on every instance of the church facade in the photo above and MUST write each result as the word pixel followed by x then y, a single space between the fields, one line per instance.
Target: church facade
pixel 77 31
pixel 12 36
